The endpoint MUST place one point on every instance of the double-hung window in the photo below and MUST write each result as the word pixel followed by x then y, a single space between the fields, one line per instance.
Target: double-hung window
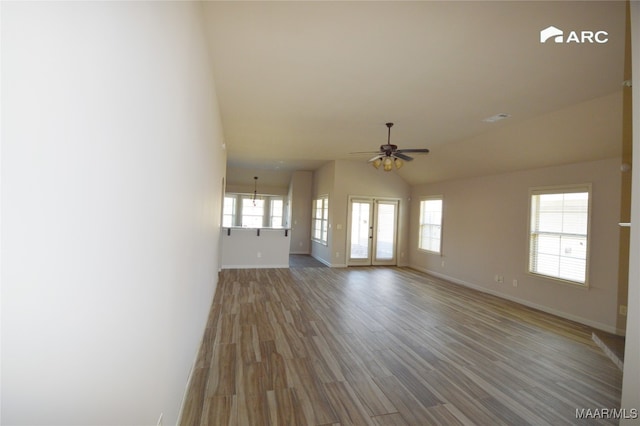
pixel 559 232
pixel 320 219
pixel 430 237
pixel 229 211
pixel 252 212
pixel 277 211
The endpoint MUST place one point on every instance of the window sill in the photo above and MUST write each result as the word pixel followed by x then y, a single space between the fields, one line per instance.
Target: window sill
pixel 437 253
pixel 555 280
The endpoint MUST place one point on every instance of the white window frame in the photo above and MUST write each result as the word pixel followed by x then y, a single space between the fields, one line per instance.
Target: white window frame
pixel 267 213
pixel 276 213
pixel 438 225
pixel 229 215
pixel 247 217
pixel 534 233
pixel 323 220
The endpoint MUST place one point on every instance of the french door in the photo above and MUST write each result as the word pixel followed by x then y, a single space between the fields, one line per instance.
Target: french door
pixel 373 227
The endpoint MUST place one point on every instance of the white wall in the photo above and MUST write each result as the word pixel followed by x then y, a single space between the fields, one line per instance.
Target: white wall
pixel 112 173
pixel 485 227
pixel 262 190
pixel 343 178
pixel 300 211
pixel 249 248
pixel 323 184
pixel 631 380
pixel 361 179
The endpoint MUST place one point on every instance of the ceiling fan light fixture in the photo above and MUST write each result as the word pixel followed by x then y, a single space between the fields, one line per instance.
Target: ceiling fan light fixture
pixel 389 155
pixel 387 164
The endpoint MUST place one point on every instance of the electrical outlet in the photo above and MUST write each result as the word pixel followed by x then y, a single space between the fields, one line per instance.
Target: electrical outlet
pixel 623 310
pixel 337 254
pixel 259 255
pixel 442 263
pixel 515 283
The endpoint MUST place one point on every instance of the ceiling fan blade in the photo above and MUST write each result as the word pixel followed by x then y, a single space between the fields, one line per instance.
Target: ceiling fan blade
pixel 415 150
pixel 375 158
pixel 365 152
pixel 400 155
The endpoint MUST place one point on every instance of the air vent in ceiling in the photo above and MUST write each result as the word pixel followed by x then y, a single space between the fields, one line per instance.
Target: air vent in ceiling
pixel 497 117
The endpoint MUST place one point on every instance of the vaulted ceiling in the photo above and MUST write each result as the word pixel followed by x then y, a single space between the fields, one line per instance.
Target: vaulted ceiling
pixel 303 83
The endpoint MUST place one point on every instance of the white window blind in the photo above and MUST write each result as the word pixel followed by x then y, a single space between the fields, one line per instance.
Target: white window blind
pixel 430 224
pixel 242 210
pixel 229 211
pixel 320 220
pixel 558 238
pixel 276 213
pixel 252 213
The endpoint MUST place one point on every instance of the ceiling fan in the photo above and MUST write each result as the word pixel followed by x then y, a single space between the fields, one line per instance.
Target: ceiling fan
pixel 389 154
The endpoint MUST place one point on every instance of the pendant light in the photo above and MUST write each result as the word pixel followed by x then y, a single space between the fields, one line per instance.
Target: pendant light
pixel 255 190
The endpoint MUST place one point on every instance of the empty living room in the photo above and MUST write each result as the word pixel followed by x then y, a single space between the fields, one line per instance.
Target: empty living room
pixel 320 213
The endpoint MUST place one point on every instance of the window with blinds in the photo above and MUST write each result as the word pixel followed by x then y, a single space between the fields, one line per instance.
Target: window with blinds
pixel 251 211
pixel 559 233
pixel 277 213
pixel 430 224
pixel 229 211
pixel 320 220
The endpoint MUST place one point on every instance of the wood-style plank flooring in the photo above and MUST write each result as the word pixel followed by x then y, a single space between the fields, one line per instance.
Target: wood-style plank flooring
pixel 388 346
pixel 304 261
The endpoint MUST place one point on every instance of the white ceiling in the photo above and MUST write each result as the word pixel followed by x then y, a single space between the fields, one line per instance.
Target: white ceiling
pixel 303 83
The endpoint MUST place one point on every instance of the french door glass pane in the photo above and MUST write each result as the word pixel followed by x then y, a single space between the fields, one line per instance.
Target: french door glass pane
pixel 385 234
pixel 360 230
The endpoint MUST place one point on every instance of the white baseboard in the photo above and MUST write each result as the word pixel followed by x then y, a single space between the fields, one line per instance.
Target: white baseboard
pixel 299 252
pixel 186 389
pixel 321 260
pixel 552 311
pixel 613 357
pixel 255 266
pixel 331 265
pixel 199 348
